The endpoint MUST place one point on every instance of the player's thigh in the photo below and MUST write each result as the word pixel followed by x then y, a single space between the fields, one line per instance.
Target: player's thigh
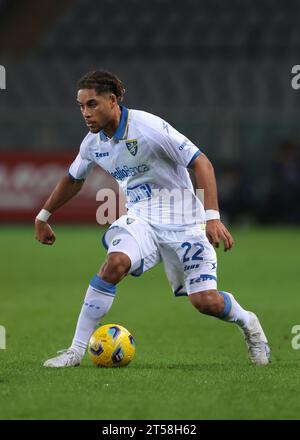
pixel 190 262
pixel 135 239
pixel 123 252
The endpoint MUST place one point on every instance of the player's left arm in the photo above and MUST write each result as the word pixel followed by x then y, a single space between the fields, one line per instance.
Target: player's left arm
pixel 205 179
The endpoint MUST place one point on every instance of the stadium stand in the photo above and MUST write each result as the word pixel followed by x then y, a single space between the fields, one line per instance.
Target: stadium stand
pixel 156 29
pixel 215 56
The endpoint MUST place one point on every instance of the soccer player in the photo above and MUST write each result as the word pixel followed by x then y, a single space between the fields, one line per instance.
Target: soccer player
pixel 148 158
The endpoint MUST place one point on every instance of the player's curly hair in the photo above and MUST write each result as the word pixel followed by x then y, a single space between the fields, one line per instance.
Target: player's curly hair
pixel 102 81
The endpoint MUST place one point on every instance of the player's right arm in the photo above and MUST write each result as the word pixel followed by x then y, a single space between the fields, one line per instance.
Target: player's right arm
pixel 67 187
pixel 65 190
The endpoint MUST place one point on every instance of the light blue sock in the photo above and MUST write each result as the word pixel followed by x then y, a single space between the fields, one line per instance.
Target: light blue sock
pixel 233 312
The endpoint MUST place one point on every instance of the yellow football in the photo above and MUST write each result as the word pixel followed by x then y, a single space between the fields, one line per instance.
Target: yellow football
pixel 111 345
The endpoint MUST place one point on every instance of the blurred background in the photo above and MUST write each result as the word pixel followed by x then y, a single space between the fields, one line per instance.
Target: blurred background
pixel 220 72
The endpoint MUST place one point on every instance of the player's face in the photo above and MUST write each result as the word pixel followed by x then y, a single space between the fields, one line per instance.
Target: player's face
pixel 97 110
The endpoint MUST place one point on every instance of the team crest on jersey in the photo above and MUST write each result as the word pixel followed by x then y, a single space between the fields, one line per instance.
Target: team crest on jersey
pixel 132 146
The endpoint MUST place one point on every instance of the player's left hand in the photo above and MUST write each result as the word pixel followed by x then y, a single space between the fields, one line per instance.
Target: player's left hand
pixel 217 232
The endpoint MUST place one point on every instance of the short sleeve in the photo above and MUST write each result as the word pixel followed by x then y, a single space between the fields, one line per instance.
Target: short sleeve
pixel 80 168
pixel 82 164
pixel 177 146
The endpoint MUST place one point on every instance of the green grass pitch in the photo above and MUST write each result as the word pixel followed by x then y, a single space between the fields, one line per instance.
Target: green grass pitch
pixel 187 366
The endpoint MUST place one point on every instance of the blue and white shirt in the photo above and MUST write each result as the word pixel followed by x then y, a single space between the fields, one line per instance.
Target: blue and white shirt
pixel 145 155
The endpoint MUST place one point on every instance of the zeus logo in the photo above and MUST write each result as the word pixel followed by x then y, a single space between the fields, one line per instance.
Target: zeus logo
pixel 102 154
pixel 296 339
pixel 203 277
pixel 2 78
pixel 296 79
pixel 2 338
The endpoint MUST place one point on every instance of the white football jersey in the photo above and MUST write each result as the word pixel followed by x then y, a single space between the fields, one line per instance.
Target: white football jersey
pixel 149 159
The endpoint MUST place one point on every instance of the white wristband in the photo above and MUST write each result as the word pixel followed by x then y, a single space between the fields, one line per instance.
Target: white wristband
pixel 43 215
pixel 212 214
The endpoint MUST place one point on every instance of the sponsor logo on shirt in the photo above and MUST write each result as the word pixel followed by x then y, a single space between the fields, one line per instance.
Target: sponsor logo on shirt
pixel 125 171
pixel 185 142
pixel 137 193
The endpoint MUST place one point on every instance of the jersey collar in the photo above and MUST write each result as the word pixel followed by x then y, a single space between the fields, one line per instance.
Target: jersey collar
pixel 122 129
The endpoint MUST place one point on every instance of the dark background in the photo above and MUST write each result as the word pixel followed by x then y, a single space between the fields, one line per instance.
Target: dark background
pixel 220 72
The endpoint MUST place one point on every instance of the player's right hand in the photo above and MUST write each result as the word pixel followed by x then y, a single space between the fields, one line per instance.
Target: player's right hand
pixel 44 233
pixel 216 232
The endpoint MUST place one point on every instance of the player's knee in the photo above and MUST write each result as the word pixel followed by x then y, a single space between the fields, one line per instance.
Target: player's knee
pixel 115 268
pixel 209 302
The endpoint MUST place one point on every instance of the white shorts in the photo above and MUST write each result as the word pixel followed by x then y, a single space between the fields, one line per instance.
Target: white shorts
pixel 189 259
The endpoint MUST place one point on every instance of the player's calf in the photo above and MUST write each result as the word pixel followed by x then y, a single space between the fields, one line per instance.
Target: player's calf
pixel 115 268
pixel 224 306
pixel 209 302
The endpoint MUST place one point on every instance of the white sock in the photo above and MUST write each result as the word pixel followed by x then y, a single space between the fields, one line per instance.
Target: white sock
pixel 97 302
pixel 233 312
